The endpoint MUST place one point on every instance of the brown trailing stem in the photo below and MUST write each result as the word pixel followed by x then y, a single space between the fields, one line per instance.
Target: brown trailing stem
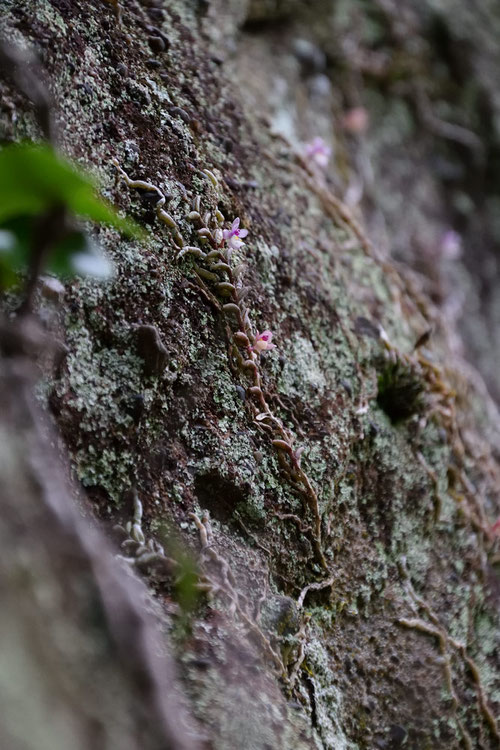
pixel 231 290
pixel 283 443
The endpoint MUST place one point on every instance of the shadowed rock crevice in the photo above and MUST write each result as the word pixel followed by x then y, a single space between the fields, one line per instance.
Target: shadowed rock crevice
pixel 218 495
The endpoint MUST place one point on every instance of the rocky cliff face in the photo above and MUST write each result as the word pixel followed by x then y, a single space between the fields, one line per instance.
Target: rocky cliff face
pixel 313 520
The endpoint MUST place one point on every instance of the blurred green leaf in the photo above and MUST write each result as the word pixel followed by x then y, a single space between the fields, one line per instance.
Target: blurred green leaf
pixel 185 590
pixel 33 178
pixel 21 232
pixel 7 251
pixel 187 575
pixel 75 253
pixel 60 261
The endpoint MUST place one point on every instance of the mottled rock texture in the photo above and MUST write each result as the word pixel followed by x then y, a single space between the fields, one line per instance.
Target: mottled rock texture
pixel 348 599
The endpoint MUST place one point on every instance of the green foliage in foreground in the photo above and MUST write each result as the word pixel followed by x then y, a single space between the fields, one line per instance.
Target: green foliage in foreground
pixel 35 180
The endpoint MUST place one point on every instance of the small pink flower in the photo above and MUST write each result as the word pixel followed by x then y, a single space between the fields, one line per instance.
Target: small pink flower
pixel 262 342
pixel 318 151
pixel 496 527
pixel 451 245
pixel 356 120
pixel 234 236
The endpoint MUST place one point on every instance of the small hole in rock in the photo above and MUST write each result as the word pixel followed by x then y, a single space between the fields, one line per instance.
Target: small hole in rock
pixel 400 391
pixel 218 495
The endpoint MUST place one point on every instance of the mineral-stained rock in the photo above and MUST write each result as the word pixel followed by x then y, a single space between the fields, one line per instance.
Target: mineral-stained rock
pixel 344 479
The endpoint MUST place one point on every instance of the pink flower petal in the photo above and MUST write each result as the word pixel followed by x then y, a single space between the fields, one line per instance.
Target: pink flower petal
pixel 318 151
pixel 243 232
pixel 262 342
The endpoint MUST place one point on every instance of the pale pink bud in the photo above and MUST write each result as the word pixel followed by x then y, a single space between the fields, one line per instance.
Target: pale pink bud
pixel 356 120
pixel 451 245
